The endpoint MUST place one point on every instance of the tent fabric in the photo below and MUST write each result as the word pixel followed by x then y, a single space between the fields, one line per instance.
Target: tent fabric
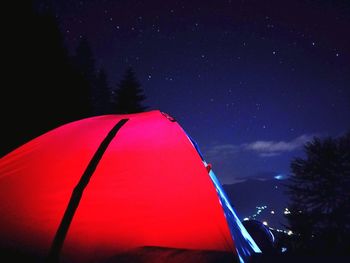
pixel 245 245
pixel 149 188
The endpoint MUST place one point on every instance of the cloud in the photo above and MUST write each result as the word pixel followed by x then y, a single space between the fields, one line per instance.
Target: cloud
pixel 274 148
pixel 262 148
pixel 222 150
pixel 269 154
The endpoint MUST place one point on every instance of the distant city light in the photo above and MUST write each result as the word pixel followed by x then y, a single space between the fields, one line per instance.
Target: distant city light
pixel 283 249
pixel 286 211
pixel 280 177
pixel 260 212
pixel 289 233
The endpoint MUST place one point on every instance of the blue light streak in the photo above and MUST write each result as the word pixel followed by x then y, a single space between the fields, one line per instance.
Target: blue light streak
pixel 244 243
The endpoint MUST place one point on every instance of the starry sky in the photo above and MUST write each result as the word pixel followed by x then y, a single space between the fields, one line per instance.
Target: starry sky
pixel 249 81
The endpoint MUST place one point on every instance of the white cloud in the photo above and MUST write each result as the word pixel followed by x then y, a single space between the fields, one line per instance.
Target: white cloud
pixel 222 150
pixel 271 154
pixel 274 148
pixel 262 148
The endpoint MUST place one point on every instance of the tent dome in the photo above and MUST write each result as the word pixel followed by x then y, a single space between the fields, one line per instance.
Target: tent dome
pixel 107 185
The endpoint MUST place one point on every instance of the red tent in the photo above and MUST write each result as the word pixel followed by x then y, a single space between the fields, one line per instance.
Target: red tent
pixel 108 185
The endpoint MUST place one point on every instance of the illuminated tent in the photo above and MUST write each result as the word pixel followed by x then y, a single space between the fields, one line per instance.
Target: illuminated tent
pixel 109 185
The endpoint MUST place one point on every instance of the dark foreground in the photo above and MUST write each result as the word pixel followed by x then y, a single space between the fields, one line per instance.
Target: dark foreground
pixel 170 255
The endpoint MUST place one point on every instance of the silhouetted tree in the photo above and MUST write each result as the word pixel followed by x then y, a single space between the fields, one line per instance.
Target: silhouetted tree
pixel 319 191
pixel 84 63
pixel 129 95
pixel 103 94
pixel 43 90
pixel 84 60
pixel 100 93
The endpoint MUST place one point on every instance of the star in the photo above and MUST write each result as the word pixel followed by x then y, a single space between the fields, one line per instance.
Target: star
pixel 226 60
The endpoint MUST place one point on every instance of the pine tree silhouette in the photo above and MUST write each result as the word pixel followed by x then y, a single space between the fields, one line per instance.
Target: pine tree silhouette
pixel 84 60
pixel 43 90
pixel 129 95
pixel 319 191
pixel 84 63
pixel 102 94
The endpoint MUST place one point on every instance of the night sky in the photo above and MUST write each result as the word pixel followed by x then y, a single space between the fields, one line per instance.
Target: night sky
pixel 249 81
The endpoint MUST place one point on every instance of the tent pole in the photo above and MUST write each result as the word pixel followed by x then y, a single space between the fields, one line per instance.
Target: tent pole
pixel 56 246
